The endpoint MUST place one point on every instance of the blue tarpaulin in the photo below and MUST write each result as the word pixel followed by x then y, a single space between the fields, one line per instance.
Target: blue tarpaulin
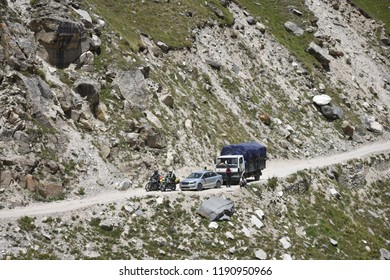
pixel 250 150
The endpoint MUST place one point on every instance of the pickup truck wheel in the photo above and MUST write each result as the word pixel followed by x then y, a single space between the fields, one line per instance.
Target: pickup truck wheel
pixel 218 185
pixel 199 187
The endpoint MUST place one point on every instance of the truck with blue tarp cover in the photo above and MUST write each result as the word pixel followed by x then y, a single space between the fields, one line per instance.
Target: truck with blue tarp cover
pixel 244 160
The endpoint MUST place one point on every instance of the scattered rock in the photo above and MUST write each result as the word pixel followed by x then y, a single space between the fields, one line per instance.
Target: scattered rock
pixel 293 28
pixel 168 100
pixel 322 99
pixel 261 254
pixel 265 118
pixel 256 222
pixel 320 54
pixel 332 112
pixel 215 207
pixel 335 193
pixel 213 225
pixel 49 190
pixel 125 185
pixel 385 254
pixel 251 20
pixel 106 225
pixel 285 242
pixel 348 129
pixel 164 47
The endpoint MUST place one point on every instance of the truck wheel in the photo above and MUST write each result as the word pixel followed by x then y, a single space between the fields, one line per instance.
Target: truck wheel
pixel 199 187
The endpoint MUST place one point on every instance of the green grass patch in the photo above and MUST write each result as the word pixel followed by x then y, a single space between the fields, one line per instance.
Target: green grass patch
pixel 377 9
pixel 170 22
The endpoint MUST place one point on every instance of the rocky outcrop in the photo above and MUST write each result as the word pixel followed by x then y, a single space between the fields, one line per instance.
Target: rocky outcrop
pixel 132 87
pixel 62 41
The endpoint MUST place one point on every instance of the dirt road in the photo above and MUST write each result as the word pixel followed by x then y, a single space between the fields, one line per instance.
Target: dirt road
pixel 276 168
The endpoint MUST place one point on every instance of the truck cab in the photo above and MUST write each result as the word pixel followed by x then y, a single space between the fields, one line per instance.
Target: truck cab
pixel 236 163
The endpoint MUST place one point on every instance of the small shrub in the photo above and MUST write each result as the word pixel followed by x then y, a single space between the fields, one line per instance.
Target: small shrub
pixel 26 223
pixel 272 183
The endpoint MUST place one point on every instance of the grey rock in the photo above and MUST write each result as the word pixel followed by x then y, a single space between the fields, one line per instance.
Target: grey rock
pixel 372 213
pixel 125 184
pixel 375 127
pixel 63 40
pixel 168 100
pixel 164 47
pixel 155 139
pixel 256 221
pixel 213 64
pixel 285 242
pixel 261 27
pixel 85 18
pixel 251 20
pixel 333 242
pixel 385 254
pixel 261 254
pixel 229 235
pixel 213 225
pixel 89 89
pixel 215 207
pixel 132 138
pixel 132 87
pixel 335 193
pixel 332 112
pixel 106 225
pixel 320 54
pixel 293 28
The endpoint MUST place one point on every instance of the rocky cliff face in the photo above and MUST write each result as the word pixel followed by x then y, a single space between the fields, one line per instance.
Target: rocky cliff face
pixel 80 112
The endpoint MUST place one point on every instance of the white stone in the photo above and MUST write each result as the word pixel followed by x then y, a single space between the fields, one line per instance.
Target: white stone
pixel 322 99
pixel 260 213
pixel 246 231
pixel 333 242
pixel 261 255
pixel 229 235
pixel 159 200
pixel 213 225
pixel 256 221
pixel 285 242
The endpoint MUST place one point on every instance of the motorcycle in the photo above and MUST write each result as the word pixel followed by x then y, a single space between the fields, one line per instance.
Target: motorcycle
pixel 166 184
pixel 153 185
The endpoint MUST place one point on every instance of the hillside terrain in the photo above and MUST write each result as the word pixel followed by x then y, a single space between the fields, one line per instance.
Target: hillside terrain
pixel 95 95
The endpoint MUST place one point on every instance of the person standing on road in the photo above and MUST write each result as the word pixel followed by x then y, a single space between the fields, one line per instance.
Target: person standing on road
pixel 228 177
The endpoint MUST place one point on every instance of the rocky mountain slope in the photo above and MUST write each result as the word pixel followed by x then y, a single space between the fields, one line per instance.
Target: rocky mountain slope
pixel 83 113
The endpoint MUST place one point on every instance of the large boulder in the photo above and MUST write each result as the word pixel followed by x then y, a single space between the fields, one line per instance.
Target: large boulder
pixel 215 208
pixel 62 40
pixel 50 190
pixel 320 54
pixel 131 86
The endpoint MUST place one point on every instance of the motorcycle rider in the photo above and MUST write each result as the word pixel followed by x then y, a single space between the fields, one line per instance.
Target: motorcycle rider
pixel 170 177
pixel 155 177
